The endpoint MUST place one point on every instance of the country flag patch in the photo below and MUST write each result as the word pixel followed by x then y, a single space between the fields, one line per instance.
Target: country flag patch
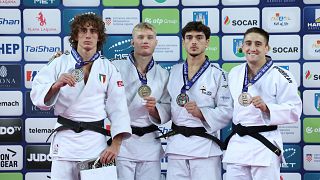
pixel 102 78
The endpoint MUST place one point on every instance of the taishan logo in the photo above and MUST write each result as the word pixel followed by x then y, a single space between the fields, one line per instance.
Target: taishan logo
pixel 41 19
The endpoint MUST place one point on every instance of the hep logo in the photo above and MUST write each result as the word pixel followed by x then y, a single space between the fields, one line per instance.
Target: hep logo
pixel 226 20
pixel 41 19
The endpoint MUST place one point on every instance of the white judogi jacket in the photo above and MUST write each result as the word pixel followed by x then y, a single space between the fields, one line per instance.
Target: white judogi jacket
pixel 102 96
pixel 212 95
pixel 278 90
pixel 146 147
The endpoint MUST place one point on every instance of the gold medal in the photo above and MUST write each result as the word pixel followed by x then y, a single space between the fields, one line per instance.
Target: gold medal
pixel 144 91
pixel 245 99
pixel 78 74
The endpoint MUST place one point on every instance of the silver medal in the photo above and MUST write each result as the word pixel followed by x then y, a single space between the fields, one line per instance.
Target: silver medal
pixel 144 91
pixel 245 99
pixel 77 74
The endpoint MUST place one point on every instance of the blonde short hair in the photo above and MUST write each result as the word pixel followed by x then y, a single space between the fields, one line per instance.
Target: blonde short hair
pixel 142 26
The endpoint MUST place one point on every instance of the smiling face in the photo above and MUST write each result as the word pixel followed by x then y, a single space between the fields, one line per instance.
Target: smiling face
pixel 195 43
pixel 255 48
pixel 144 41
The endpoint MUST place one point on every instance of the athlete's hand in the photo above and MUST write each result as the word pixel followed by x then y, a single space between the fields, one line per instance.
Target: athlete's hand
pixel 111 153
pixel 150 104
pixel 193 109
pixel 258 102
pixel 63 80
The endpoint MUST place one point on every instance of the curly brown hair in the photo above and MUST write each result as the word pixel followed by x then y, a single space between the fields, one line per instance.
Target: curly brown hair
pixel 90 19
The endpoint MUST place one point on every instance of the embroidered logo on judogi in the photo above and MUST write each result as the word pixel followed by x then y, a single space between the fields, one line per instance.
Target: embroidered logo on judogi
pixel 120 83
pixel 203 90
pixel 102 78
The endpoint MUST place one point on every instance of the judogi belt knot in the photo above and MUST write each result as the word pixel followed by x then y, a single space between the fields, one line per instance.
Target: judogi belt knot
pixel 77 127
pixel 192 131
pixel 254 131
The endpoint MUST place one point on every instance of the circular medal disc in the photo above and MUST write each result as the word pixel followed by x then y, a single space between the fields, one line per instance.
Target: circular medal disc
pixel 182 99
pixel 244 99
pixel 144 91
pixel 77 74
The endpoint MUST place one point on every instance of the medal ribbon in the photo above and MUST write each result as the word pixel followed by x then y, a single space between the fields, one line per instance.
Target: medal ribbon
pixel 80 63
pixel 188 84
pixel 260 73
pixel 142 78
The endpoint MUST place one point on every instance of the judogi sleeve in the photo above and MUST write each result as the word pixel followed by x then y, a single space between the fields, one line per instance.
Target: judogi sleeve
pixel 288 106
pixel 42 83
pixel 116 104
pixel 163 105
pixel 218 117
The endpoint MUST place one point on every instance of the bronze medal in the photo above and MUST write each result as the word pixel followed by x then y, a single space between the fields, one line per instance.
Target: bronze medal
pixel 245 99
pixel 78 74
pixel 182 99
pixel 144 91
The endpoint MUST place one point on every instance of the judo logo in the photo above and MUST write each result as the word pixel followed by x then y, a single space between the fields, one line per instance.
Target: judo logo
pixel 102 78
pixel 41 19
pixel 203 90
pixel 237 47
pixel 317 101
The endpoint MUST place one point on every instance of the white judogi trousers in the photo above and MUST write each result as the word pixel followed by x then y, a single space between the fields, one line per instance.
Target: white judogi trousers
pixel 64 170
pixel 138 170
pixel 245 172
pixel 194 169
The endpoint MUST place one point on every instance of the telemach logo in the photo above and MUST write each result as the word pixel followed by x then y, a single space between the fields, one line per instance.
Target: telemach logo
pixel 8 103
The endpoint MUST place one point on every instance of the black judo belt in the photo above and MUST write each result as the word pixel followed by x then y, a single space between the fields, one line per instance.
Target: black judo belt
pixel 140 131
pixel 192 131
pixel 254 131
pixel 78 127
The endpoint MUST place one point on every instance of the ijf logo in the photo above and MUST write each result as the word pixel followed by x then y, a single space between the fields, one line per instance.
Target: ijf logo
pixel 312 18
pixel 201 16
pixel 117 47
pixel 237 47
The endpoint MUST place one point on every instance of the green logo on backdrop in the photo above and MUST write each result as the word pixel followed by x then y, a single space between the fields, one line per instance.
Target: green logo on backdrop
pixel 164 20
pixel 311 130
pixel 160 1
pixel 212 51
pixel 11 176
pixel 120 2
pixel 228 66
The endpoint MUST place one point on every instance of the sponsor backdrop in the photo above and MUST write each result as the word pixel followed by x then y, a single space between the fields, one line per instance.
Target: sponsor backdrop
pixel 32 30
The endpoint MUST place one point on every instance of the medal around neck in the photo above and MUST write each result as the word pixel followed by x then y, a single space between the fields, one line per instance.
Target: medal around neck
pixel 144 91
pixel 245 99
pixel 77 74
pixel 182 99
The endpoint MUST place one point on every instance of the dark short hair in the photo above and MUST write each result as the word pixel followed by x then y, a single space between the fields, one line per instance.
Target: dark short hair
pixel 196 26
pixel 260 31
pixel 80 21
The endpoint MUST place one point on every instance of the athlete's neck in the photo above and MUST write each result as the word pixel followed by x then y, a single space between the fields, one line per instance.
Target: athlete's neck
pixel 195 62
pixel 85 54
pixel 254 67
pixel 141 62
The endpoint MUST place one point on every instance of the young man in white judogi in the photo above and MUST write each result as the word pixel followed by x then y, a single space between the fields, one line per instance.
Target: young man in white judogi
pixel 202 104
pixel 149 105
pixel 264 96
pixel 82 87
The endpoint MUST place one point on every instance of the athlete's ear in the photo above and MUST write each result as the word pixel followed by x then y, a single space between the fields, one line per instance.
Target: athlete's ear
pixel 132 43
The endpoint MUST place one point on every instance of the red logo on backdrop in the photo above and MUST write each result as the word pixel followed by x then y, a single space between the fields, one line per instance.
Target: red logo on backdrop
pixel 309 157
pixel 281 178
pixel 120 83
pixel 41 19
pixel 107 21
